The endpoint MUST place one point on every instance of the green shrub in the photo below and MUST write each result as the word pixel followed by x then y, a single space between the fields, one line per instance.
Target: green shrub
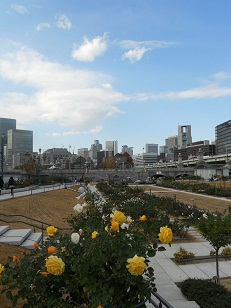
pixel 205 293
pixel 226 252
pixel 183 254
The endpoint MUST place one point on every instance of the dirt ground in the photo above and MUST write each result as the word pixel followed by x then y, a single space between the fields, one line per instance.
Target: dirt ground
pixel 55 206
pixel 199 200
pixel 51 207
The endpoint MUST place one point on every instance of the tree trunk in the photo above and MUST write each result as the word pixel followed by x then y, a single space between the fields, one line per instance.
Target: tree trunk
pixel 217 266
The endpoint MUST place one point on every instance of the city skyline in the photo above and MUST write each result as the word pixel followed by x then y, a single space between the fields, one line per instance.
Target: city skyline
pixel 129 71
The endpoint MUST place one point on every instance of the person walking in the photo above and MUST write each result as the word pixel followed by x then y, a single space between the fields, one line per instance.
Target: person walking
pixel 1 184
pixel 11 184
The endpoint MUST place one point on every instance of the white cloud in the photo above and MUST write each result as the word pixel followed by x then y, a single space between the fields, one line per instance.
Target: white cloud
pixel 42 26
pixel 129 44
pixel 211 91
pixel 135 54
pixel 90 50
pixel 63 22
pixel 221 76
pixel 19 8
pixel 74 100
pixel 137 49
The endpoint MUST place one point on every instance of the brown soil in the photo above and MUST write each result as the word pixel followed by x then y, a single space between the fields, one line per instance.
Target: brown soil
pixel 199 200
pixel 51 207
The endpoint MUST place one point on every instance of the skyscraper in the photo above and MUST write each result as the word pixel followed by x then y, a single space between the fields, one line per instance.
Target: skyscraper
pixel 112 146
pixel 5 125
pixel 223 137
pixel 184 136
pixel 18 142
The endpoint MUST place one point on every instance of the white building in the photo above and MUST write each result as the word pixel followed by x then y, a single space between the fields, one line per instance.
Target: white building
pixel 145 159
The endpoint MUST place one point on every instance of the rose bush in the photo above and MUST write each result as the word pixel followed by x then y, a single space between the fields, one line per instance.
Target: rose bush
pixel 104 262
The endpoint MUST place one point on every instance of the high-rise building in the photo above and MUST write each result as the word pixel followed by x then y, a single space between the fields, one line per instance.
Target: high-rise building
pixel 5 125
pixel 96 147
pixel 223 138
pixel 127 149
pixel 18 142
pixel 112 146
pixel 163 149
pixel 151 148
pixel 83 152
pixel 171 143
pixel 184 136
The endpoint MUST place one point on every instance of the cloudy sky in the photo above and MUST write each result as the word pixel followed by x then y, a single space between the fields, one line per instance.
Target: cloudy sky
pixel 75 71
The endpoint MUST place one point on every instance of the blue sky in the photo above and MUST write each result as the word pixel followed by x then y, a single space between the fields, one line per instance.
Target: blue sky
pixel 75 71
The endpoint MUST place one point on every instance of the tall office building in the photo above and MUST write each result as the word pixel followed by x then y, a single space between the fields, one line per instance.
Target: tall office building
pixel 83 152
pixel 127 149
pixel 151 148
pixel 112 146
pixel 96 147
pixel 223 138
pixel 184 136
pixel 18 142
pixel 172 143
pixel 5 125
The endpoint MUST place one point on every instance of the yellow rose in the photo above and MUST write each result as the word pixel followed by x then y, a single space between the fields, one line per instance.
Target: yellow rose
pixel 165 235
pixel 119 216
pixel 136 265
pixel 114 226
pixel 51 230
pixel 55 265
pixel 1 268
pixel 94 234
pixel 143 218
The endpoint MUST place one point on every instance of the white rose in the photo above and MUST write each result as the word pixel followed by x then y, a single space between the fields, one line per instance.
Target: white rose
pixel 78 208
pixel 124 226
pixel 205 216
pixel 75 238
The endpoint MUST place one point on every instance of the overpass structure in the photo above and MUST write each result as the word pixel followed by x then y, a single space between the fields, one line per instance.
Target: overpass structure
pixel 174 169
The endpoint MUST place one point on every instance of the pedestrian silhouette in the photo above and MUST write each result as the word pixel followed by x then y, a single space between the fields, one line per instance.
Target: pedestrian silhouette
pixel 11 185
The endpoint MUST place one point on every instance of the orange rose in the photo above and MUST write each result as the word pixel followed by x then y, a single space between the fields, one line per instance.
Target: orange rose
pixel 44 274
pixel 51 250
pixel 15 259
pixel 114 226
pixel 36 245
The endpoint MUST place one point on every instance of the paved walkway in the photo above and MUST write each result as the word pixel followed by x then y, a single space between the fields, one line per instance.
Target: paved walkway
pixel 27 191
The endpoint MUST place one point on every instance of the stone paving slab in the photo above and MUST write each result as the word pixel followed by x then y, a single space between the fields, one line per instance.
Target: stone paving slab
pixel 33 238
pixel 15 237
pixel 3 229
pixel 192 271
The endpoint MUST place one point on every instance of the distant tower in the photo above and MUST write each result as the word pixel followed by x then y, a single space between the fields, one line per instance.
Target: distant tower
pixel 112 146
pixel 184 136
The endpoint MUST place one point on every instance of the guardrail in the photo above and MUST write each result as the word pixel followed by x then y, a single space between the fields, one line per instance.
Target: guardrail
pixel 158 301
pixel 42 225
pixel 35 188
